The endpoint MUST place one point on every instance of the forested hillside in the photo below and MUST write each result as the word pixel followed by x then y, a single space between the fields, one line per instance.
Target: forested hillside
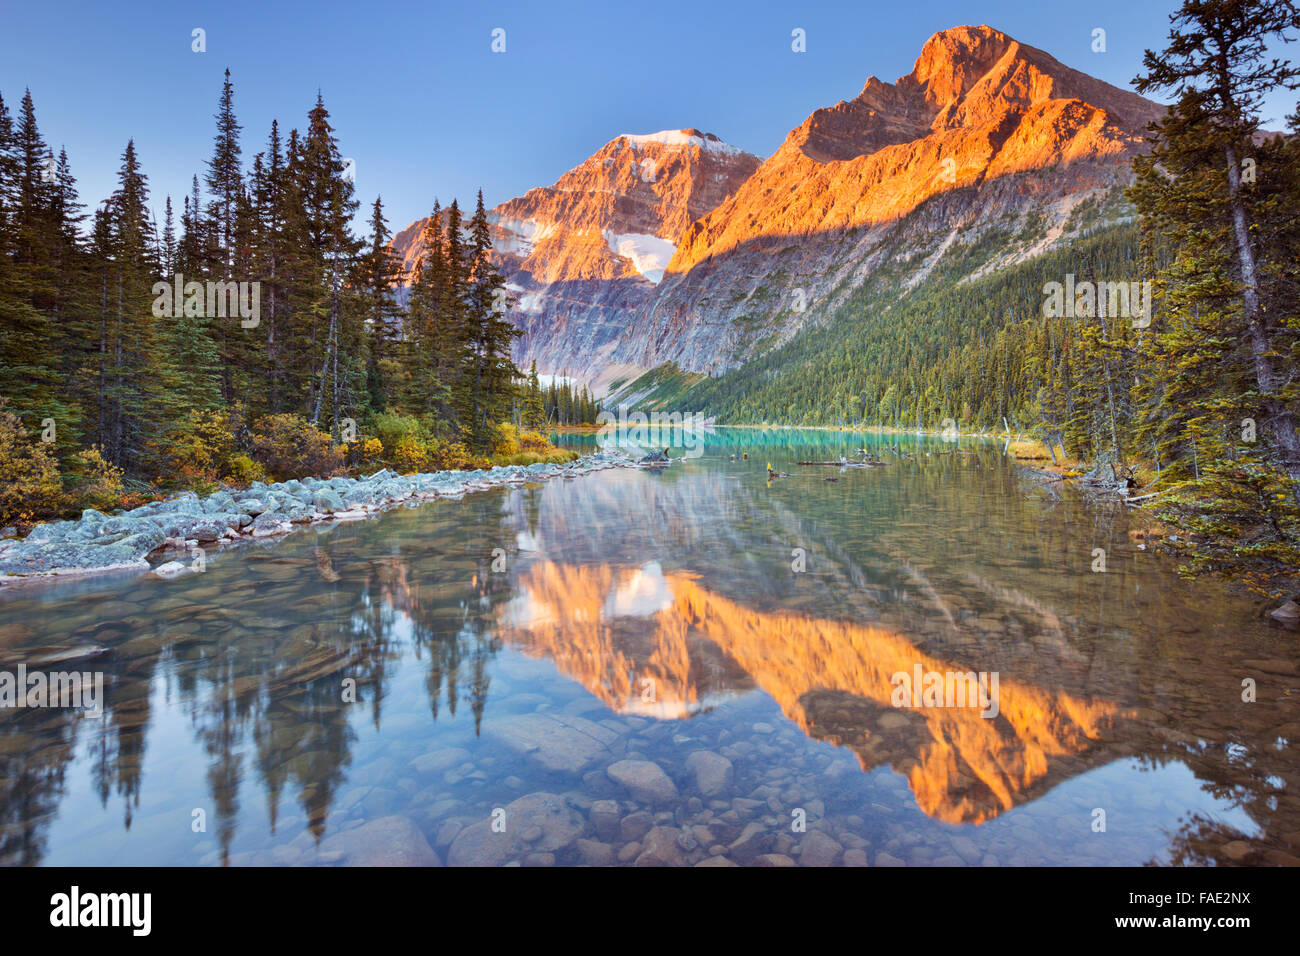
pixel 251 333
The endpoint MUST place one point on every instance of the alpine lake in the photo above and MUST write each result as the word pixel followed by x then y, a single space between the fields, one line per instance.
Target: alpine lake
pixel 693 665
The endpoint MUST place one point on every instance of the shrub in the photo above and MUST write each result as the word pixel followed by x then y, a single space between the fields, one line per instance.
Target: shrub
pixel 244 471
pixel 29 473
pixel 199 448
pixel 453 456
pixel 288 446
pixel 526 448
pixel 507 440
pixel 94 482
pixel 391 429
pixel 534 442
pixel 410 454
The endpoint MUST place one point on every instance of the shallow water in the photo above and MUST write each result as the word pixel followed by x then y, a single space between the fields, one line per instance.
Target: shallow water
pixel 634 617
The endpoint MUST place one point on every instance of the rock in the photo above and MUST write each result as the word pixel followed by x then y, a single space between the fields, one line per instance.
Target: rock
pixel 389 841
pixel 567 744
pixel 594 853
pixel 479 845
pixel 753 840
pixel 644 780
pixel 819 849
pixel 855 857
pixel 127 525
pixel 327 500
pixel 772 859
pixel 715 861
pixel 171 569
pixel 268 523
pixel 660 848
pixel 447 833
pixel 73 558
pixel 635 825
pixel 438 760
pixel 888 859
pixel 604 817
pixel 1288 612
pixel 629 852
pixel 713 772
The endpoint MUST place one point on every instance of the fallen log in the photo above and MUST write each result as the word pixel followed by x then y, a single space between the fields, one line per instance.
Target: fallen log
pixel 846 464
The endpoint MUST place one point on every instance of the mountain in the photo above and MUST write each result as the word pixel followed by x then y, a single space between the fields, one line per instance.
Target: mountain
pixel 583 254
pixel 988 154
pixel 984 135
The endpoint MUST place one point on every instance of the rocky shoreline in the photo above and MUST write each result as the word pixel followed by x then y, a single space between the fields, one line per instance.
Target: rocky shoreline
pixel 180 525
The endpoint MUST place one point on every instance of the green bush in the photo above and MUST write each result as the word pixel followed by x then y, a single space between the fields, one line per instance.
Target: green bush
pixel 29 474
pixel 288 446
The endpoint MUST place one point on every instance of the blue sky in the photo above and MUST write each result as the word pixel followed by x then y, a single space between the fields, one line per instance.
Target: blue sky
pixel 426 109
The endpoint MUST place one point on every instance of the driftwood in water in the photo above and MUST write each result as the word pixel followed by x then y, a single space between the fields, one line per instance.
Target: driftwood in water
pixel 846 464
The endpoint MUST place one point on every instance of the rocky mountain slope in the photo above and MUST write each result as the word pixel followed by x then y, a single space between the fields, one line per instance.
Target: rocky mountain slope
pixel 582 255
pixel 711 258
pixel 985 135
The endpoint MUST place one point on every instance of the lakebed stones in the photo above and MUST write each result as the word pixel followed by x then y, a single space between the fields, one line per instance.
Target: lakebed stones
pixel 388 841
pixel 713 772
pixel 645 781
pixel 819 849
pixel 97 542
pixel 556 742
pixel 549 824
pixel 604 816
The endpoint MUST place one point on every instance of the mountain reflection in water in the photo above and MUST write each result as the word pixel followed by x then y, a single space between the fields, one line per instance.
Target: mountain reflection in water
pixel 663 608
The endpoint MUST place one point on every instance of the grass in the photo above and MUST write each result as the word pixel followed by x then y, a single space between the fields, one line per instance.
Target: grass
pixel 553 456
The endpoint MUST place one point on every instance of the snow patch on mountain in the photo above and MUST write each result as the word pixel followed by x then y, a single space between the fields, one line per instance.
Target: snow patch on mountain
pixel 650 255
pixel 518 235
pixel 681 137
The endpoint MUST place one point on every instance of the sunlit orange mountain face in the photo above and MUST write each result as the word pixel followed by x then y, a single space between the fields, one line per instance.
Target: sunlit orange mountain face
pixel 664 646
pixel 676 246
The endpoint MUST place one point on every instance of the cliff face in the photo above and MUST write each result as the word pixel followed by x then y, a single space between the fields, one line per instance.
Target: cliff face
pixel 675 247
pixel 582 255
pixel 982 135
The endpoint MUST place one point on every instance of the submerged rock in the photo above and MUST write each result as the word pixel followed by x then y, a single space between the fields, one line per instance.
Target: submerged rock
pixel 645 781
pixel 547 820
pixel 388 841
pixel 713 772
pixel 567 744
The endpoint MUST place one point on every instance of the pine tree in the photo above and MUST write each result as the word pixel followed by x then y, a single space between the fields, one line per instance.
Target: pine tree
pixel 377 276
pixel 534 405
pixel 1194 188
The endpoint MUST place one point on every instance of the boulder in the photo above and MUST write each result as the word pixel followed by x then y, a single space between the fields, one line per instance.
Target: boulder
pixel 75 557
pixel 557 742
pixel 661 848
pixel 819 849
pixel 388 841
pixel 713 772
pixel 645 781
pixel 604 816
pixel 482 845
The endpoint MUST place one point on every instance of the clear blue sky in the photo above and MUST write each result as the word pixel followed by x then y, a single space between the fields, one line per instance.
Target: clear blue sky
pixel 426 109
